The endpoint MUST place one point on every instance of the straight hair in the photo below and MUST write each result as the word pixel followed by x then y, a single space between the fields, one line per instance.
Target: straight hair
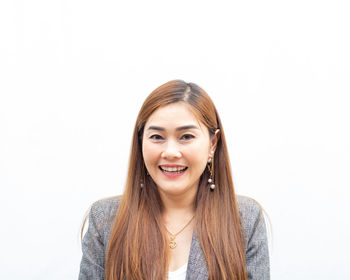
pixel 138 245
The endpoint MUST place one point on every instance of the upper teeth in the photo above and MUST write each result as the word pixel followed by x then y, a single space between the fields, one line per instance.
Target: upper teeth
pixel 172 169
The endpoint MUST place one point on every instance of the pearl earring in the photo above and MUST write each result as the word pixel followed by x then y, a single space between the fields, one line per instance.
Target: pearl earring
pixel 210 166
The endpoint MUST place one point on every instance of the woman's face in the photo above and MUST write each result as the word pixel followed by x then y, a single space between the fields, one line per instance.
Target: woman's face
pixel 176 148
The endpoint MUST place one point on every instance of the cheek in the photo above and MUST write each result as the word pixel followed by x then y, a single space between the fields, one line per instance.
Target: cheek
pixel 198 154
pixel 150 153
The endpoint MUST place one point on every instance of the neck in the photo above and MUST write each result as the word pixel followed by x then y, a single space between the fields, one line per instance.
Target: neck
pixel 178 206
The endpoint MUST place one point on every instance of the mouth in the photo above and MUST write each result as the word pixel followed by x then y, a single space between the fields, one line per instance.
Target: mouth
pixel 173 170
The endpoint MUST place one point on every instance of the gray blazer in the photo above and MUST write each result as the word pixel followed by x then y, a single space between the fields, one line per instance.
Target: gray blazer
pixel 101 217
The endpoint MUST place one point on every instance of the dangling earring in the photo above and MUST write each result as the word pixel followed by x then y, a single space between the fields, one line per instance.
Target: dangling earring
pixel 210 166
pixel 141 184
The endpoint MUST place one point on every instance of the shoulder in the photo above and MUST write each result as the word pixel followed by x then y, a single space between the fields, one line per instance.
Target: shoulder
pixel 95 242
pixel 255 237
pixel 102 215
pixel 106 206
pixel 251 214
pixel 248 208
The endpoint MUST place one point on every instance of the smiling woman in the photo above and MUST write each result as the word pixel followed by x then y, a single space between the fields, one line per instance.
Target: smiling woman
pixel 179 217
pixel 176 145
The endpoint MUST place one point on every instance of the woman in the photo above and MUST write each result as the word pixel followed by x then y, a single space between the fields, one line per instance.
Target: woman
pixel 179 217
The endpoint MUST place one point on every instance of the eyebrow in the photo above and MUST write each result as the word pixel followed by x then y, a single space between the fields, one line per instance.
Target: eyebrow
pixel 185 127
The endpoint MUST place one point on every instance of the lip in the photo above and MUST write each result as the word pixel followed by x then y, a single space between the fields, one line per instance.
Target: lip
pixel 172 165
pixel 172 175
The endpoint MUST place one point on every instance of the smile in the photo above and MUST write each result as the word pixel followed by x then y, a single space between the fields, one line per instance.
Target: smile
pixel 174 169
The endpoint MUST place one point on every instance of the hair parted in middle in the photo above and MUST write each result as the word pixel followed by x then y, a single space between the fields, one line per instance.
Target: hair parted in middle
pixel 138 246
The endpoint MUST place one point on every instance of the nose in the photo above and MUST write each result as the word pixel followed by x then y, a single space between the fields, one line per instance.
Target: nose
pixel 171 151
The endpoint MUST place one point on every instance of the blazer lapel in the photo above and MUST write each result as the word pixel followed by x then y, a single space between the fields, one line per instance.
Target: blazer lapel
pixel 197 265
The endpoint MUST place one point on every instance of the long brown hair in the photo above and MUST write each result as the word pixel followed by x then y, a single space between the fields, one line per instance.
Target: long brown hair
pixel 138 243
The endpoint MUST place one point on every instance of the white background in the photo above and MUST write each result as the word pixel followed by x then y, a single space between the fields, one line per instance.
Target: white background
pixel 73 75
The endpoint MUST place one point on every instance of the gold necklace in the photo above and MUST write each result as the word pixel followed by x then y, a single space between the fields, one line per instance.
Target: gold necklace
pixel 172 242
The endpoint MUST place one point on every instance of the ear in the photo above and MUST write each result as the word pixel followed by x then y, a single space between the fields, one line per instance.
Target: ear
pixel 214 140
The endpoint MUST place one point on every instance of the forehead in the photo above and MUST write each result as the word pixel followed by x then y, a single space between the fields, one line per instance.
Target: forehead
pixel 174 115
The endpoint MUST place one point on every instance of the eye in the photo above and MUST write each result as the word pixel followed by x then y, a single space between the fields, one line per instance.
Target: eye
pixel 187 137
pixel 156 137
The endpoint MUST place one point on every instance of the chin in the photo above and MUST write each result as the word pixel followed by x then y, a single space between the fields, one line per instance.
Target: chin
pixel 174 190
pixel 171 189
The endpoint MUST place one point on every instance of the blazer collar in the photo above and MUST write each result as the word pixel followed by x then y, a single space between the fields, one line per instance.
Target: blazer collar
pixel 197 265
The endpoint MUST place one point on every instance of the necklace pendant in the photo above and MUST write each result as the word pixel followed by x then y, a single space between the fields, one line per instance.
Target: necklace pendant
pixel 172 244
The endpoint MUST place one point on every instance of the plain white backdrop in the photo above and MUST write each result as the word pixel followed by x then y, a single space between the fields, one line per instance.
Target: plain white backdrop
pixel 73 75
